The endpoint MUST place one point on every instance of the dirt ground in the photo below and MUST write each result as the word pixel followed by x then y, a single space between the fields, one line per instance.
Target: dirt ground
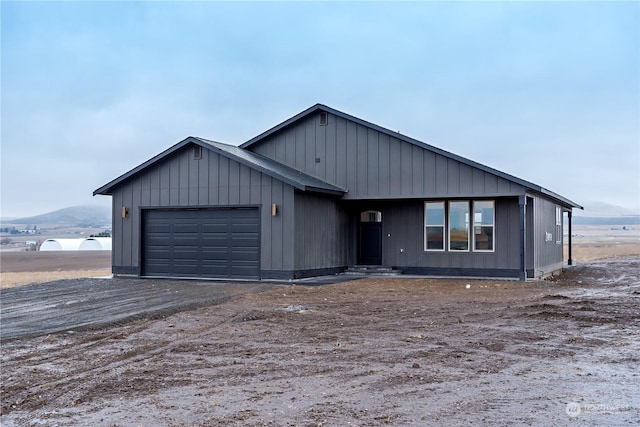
pixel 23 267
pixel 369 352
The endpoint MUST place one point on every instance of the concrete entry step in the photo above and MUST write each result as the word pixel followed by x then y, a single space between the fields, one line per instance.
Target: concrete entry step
pixel 371 270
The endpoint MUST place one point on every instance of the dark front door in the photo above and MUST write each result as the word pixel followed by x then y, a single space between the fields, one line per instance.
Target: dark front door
pixel 370 238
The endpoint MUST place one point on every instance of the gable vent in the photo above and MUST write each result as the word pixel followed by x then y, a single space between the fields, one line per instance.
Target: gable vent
pixel 197 152
pixel 324 119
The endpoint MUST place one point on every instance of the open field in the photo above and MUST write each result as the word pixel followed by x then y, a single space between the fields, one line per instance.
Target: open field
pixel 21 268
pixel 592 242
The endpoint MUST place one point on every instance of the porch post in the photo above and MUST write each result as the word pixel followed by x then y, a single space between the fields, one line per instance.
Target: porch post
pixel 522 201
pixel 570 260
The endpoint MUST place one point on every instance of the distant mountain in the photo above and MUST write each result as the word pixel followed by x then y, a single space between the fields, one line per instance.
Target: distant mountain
pixel 604 220
pixel 604 210
pixel 75 215
pixel 599 213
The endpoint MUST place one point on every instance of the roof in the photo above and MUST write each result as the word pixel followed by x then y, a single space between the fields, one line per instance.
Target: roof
pixel 320 107
pixel 270 167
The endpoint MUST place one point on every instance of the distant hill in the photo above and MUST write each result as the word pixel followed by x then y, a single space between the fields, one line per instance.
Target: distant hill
pixel 599 213
pixel 602 210
pixel 75 215
pixel 611 220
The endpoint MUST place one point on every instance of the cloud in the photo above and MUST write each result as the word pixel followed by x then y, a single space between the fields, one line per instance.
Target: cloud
pixel 544 91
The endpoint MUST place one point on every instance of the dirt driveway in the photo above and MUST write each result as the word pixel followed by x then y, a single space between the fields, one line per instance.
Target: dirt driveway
pixel 72 305
pixel 367 353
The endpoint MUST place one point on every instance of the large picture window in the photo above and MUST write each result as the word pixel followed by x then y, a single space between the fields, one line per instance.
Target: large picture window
pixel 434 226
pixel 483 225
pixel 466 226
pixel 459 226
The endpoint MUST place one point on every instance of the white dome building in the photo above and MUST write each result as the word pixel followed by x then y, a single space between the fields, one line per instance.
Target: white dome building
pixel 96 244
pixel 89 244
pixel 61 245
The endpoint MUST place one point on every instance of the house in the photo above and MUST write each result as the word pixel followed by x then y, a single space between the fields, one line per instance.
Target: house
pixel 324 191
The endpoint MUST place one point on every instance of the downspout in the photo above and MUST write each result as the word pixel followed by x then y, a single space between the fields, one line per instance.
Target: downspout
pixel 522 201
pixel 570 260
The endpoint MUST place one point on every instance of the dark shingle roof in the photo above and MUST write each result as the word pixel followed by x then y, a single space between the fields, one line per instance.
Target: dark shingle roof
pixel 277 170
pixel 270 167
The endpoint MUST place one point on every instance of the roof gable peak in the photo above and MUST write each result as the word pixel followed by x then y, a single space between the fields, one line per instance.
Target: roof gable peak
pixel 322 107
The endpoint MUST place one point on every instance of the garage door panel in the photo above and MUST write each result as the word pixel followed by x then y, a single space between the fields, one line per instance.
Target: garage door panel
pixel 243 228
pixel 186 228
pixel 202 242
pixel 245 255
pixel 215 242
pixel 243 241
pixel 242 271
pixel 186 255
pixel 191 241
pixel 215 229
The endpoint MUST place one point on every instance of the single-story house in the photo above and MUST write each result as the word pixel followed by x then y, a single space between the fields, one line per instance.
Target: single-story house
pixel 324 191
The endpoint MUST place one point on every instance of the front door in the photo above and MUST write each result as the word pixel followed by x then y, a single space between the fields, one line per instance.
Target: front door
pixel 370 238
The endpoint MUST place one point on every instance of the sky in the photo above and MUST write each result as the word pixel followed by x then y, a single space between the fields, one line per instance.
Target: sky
pixel 546 91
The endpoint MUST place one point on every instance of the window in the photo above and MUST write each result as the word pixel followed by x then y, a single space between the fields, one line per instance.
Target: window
pixel 558 225
pixel 371 216
pixel 459 226
pixel 434 226
pixel 483 219
pixel 470 225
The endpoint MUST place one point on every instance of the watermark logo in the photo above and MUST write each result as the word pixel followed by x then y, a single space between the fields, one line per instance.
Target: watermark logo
pixel 573 409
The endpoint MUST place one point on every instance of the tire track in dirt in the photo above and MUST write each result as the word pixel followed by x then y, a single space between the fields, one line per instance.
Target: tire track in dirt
pixel 63 396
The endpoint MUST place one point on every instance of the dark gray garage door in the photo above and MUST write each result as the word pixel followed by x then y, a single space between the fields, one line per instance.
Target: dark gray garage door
pixel 201 243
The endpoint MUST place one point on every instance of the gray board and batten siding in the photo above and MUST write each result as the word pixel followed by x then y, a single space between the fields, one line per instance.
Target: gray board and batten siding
pixel 390 169
pixel 547 255
pixel 213 181
pixel 291 198
pixel 372 162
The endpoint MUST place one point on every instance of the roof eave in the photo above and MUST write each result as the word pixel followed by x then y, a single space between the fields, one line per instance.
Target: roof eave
pixel 338 192
pixel 568 203
pixel 107 189
pixel 271 173
pixel 526 184
pixel 286 123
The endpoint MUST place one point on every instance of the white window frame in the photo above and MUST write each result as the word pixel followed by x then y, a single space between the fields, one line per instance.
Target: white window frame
pixel 468 224
pixel 443 225
pixel 493 226
pixel 558 225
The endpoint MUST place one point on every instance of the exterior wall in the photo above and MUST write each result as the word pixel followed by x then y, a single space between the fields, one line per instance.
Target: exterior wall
pixel 403 242
pixel 213 180
pixel 374 165
pixel 322 235
pixel 548 256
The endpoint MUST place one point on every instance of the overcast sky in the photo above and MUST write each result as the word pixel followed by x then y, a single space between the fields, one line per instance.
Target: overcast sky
pixel 546 91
